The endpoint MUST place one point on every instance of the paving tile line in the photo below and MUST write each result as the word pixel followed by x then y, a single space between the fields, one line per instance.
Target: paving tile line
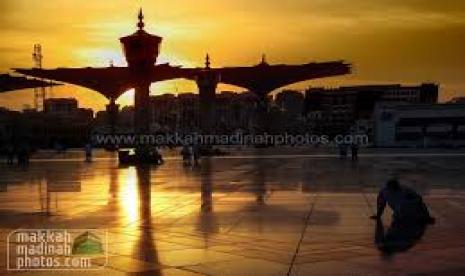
pixel 302 235
pixel 247 245
pixel 193 202
pixel 168 209
pixel 239 188
pixel 190 202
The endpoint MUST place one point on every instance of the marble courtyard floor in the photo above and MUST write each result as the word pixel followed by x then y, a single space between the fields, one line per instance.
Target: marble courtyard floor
pixel 248 214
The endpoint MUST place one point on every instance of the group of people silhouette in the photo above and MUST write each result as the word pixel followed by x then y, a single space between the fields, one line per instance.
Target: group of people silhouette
pixel 190 155
pixel 344 150
pixel 20 153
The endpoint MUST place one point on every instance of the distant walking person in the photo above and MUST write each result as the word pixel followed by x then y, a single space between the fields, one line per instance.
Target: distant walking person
pixel 342 151
pixel 406 204
pixel 186 155
pixel 191 155
pixel 10 154
pixel 88 151
pixel 354 149
pixel 196 154
pixel 23 154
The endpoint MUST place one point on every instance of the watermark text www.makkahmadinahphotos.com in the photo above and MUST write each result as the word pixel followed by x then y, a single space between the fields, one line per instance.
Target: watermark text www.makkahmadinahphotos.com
pixel 176 139
pixel 57 249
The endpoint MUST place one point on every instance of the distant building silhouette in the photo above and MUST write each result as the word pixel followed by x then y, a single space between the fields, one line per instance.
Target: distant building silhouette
pixel 419 125
pixel 62 120
pixel 291 102
pixel 336 111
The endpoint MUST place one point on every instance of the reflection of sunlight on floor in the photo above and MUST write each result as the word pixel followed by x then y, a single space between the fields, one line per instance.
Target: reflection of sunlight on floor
pixel 171 204
pixel 129 197
pixel 235 215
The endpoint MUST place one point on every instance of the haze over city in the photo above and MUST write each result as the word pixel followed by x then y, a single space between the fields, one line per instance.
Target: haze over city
pixel 386 41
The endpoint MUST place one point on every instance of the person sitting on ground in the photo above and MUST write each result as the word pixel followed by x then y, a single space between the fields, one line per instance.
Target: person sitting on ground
pixel 397 237
pixel 406 204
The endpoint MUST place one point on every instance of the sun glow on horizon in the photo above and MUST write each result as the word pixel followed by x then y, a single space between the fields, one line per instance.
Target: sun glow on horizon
pixel 395 42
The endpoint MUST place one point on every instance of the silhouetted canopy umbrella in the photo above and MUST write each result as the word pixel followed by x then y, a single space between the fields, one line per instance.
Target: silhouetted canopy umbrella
pixel 11 83
pixel 111 82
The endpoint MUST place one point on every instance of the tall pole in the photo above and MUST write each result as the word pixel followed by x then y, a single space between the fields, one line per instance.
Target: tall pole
pixel 39 92
pixel 142 108
pixel 141 50
pixel 207 81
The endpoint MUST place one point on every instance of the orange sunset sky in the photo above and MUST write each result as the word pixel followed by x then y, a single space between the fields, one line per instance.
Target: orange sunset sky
pixel 387 41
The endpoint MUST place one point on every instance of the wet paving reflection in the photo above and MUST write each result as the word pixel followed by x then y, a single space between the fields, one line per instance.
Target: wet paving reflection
pixel 229 216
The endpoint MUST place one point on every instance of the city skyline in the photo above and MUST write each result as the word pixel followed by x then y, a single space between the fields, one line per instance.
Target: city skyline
pixel 87 36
